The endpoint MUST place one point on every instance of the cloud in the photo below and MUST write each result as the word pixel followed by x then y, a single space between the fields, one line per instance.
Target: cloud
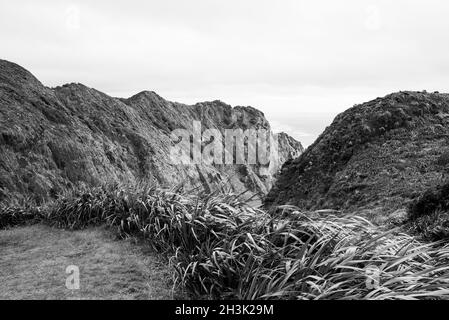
pixel 284 57
pixel 278 127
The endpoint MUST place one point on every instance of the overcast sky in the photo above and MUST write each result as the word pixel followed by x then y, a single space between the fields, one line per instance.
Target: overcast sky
pixel 300 62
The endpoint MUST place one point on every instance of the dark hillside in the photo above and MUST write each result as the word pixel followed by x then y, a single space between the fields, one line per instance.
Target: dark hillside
pixel 382 153
pixel 55 139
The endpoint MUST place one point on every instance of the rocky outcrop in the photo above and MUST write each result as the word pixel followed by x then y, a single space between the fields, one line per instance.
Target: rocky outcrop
pixel 55 139
pixel 381 154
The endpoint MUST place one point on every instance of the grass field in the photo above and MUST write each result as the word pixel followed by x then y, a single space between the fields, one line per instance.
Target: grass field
pixel 34 259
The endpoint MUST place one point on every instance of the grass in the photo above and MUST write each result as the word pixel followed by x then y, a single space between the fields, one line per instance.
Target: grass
pixel 17 214
pixel 429 214
pixel 34 260
pixel 433 226
pixel 221 248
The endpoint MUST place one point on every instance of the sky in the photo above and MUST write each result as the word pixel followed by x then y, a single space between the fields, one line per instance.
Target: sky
pixel 300 62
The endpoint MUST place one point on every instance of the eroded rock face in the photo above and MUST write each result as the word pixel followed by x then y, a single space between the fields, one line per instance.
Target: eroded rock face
pixel 381 154
pixel 55 139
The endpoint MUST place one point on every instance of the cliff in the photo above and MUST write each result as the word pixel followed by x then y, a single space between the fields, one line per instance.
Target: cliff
pixel 53 139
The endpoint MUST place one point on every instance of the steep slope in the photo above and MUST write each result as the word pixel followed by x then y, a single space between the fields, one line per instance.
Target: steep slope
pixel 381 154
pixel 54 139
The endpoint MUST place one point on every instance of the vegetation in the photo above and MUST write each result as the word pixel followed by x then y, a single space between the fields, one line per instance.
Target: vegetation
pixel 383 153
pixel 16 213
pixel 428 215
pixel 34 261
pixel 221 248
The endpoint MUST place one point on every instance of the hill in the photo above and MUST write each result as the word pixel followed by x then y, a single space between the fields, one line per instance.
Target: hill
pixel 378 155
pixel 52 139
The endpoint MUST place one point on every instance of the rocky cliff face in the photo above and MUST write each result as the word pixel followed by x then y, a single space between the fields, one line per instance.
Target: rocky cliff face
pixel 381 154
pixel 55 139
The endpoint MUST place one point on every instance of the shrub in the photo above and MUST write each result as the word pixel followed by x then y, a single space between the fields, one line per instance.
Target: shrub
pixel 428 215
pixel 12 216
pixel 221 248
pixel 432 227
pixel 443 159
pixel 431 201
pixel 78 210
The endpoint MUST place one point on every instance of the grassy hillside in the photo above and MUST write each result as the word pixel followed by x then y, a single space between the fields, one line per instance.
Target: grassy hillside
pixel 381 154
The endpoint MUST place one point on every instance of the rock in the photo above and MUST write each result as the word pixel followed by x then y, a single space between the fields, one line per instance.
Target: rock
pixel 54 139
pixel 398 217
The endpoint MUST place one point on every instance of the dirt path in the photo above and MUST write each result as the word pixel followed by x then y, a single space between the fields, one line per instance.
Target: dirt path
pixel 33 262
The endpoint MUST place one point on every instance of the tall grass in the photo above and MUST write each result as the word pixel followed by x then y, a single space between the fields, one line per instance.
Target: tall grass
pixel 221 248
pixel 16 213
